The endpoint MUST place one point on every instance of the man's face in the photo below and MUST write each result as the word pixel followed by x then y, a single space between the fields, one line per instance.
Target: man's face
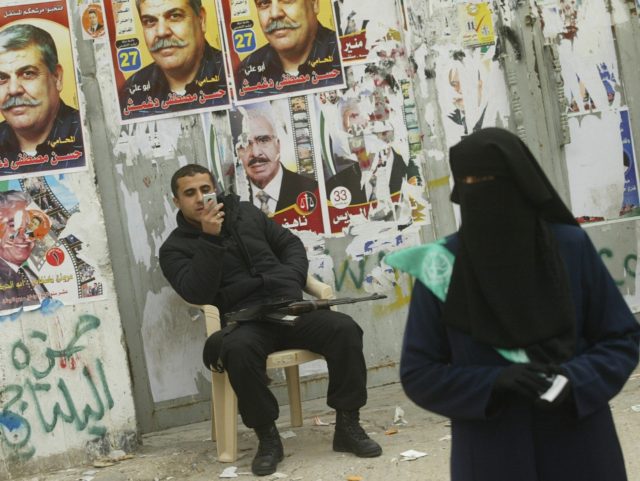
pixel 173 32
pixel 93 19
pixel 260 151
pixel 29 92
pixel 15 244
pixel 289 25
pixel 353 121
pixel 189 196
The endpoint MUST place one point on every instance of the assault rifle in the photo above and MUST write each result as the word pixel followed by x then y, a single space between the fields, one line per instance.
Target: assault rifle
pixel 287 312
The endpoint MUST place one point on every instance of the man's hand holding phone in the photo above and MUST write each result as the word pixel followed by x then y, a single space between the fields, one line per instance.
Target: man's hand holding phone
pixel 213 215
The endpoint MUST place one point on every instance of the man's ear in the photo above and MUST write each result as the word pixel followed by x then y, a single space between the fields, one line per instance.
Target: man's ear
pixel 176 202
pixel 203 19
pixel 58 76
pixel 316 6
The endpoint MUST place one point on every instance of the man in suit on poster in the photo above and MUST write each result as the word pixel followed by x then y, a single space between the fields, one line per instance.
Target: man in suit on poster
pixel 299 45
pixel 184 62
pixel 272 186
pixel 37 121
pixel 17 240
pixel 375 175
pixel 96 29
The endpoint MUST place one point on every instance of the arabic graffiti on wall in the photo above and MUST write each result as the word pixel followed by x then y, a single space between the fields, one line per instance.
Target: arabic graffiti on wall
pixel 628 262
pixel 367 272
pixel 40 124
pixel 56 386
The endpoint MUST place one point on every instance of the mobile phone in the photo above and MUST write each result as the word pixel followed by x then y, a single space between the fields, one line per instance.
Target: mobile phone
pixel 210 199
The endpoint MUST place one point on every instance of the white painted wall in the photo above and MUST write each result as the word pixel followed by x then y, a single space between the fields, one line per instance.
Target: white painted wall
pixel 65 387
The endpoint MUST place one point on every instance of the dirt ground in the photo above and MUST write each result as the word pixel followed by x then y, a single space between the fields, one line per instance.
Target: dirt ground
pixel 187 453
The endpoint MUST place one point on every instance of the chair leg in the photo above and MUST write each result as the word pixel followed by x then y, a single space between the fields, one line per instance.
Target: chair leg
pixel 295 402
pixel 213 413
pixel 225 413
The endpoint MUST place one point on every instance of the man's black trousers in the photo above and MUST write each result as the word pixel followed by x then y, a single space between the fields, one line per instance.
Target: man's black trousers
pixel 334 335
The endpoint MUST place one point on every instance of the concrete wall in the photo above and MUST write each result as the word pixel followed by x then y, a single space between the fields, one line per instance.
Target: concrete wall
pixel 526 80
pixel 164 336
pixel 567 86
pixel 65 386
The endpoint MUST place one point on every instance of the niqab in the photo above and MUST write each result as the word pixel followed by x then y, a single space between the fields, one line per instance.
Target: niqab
pixel 509 287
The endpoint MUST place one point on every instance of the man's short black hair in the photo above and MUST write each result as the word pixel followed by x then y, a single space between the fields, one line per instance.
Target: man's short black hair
pixel 188 170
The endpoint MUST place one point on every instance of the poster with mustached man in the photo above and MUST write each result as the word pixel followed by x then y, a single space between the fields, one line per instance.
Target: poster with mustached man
pixel 40 124
pixel 167 58
pixel 275 162
pixel 281 49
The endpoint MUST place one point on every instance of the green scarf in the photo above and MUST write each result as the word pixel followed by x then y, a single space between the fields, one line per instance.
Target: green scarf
pixel 432 265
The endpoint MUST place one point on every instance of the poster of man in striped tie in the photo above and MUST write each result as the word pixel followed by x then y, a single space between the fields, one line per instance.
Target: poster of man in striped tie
pixel 271 174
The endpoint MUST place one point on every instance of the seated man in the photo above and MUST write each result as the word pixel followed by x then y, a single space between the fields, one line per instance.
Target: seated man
pixel 232 255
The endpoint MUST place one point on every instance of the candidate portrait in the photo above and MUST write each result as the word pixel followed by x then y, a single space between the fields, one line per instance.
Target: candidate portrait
pixel 272 187
pixel 95 26
pixel 299 46
pixel 39 131
pixel 365 161
pixel 187 72
pixel 20 228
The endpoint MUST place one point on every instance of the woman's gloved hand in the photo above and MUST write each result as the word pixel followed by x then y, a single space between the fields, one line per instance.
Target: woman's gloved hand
pixel 564 396
pixel 527 379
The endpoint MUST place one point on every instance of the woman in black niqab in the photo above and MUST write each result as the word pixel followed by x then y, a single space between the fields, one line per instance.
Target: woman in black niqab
pixel 509 287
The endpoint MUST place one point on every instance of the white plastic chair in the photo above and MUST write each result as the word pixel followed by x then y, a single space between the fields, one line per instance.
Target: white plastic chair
pixel 224 405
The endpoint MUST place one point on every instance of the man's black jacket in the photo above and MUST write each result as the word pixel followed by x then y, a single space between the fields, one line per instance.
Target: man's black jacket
pixel 207 269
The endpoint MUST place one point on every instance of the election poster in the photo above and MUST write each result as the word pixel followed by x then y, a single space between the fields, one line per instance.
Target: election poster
pixel 42 264
pixel 630 198
pixel 40 124
pixel 167 58
pixel 476 24
pixel 371 146
pixel 364 31
pixel 281 49
pixel 275 166
pixel 92 17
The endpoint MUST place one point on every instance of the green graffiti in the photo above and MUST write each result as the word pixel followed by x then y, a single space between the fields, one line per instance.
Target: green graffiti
pixel 105 385
pixel 629 264
pixel 18 432
pixel 19 346
pixel 629 259
pixel 357 280
pixel 28 398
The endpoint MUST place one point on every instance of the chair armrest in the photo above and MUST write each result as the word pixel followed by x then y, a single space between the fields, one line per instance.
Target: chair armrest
pixel 318 289
pixel 211 317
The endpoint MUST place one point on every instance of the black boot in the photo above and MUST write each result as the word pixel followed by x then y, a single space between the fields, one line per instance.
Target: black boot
pixel 351 438
pixel 270 451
